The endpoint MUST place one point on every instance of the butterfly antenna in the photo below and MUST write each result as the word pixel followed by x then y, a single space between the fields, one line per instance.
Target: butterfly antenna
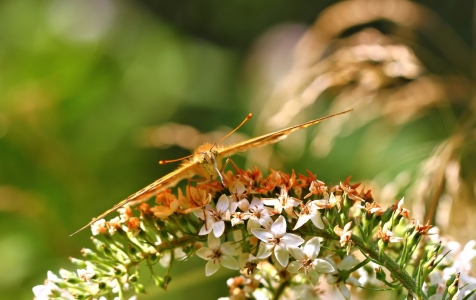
pixel 231 132
pixel 163 162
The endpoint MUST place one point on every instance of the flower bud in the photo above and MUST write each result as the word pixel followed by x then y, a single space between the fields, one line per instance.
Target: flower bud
pixel 72 280
pixel 139 288
pixel 153 257
pixel 434 250
pixel 118 272
pixel 380 274
pixel 167 279
pixel 453 286
pixel 89 254
pixel 78 262
pixel 133 250
pixel 66 274
pixel 346 202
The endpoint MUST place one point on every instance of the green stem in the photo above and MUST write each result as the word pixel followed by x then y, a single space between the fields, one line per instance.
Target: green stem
pixel 384 260
pixel 398 273
pixel 359 265
pixel 280 289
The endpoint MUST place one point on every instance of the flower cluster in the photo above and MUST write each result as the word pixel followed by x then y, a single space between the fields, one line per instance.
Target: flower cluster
pixel 283 232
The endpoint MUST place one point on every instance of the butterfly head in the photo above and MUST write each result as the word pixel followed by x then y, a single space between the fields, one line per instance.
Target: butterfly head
pixel 208 162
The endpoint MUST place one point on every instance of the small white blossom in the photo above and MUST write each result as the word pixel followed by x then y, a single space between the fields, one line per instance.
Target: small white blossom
pixel 215 217
pixel 238 197
pixel 86 274
pixel 334 278
pixel 309 212
pixel 99 227
pixel 307 261
pixel 260 215
pixel 49 289
pixel 218 255
pixel 275 239
pixel 283 202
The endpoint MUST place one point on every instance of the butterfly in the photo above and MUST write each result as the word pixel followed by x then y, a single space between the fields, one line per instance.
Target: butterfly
pixel 206 162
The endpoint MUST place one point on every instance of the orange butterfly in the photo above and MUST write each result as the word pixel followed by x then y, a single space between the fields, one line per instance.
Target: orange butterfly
pixel 206 162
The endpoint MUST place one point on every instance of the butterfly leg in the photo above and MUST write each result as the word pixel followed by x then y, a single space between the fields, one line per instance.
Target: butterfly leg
pixel 229 160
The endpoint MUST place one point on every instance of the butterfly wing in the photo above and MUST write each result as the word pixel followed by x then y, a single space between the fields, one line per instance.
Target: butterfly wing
pixel 171 179
pixel 270 138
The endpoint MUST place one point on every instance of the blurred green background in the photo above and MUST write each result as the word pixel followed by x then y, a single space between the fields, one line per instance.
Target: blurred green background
pixel 87 86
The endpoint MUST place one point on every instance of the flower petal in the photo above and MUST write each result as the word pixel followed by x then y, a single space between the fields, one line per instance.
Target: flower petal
pixel 282 255
pixel 301 221
pixel 262 234
pixel 352 281
pixel 313 277
pixel 294 266
pixel 317 220
pixel 223 203
pixel 206 229
pixel 256 203
pixel 264 250
pixel 270 201
pixel 312 247
pixel 204 253
pixel 332 278
pixel 253 222
pixel 322 266
pixel 279 227
pixel 211 267
pixel 218 228
pixel 229 262
pixel 266 222
pixel 229 248
pixel 51 276
pixel 290 239
pixel 347 226
pixel 347 262
pixel 213 242
pixel 344 290
pixel 296 252
pixel 42 292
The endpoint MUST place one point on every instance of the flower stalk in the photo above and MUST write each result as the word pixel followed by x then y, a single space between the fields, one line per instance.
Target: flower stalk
pixel 282 232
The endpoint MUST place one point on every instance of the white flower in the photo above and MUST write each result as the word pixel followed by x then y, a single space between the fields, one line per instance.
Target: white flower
pixel 113 225
pixel 275 238
pixel 260 215
pixel 99 227
pixel 345 235
pixel 369 276
pixel 86 274
pixel 50 289
pixel 238 192
pixel 309 212
pixel 307 261
pixel 334 278
pixel 283 202
pixel 215 217
pixel 239 218
pixel 218 255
